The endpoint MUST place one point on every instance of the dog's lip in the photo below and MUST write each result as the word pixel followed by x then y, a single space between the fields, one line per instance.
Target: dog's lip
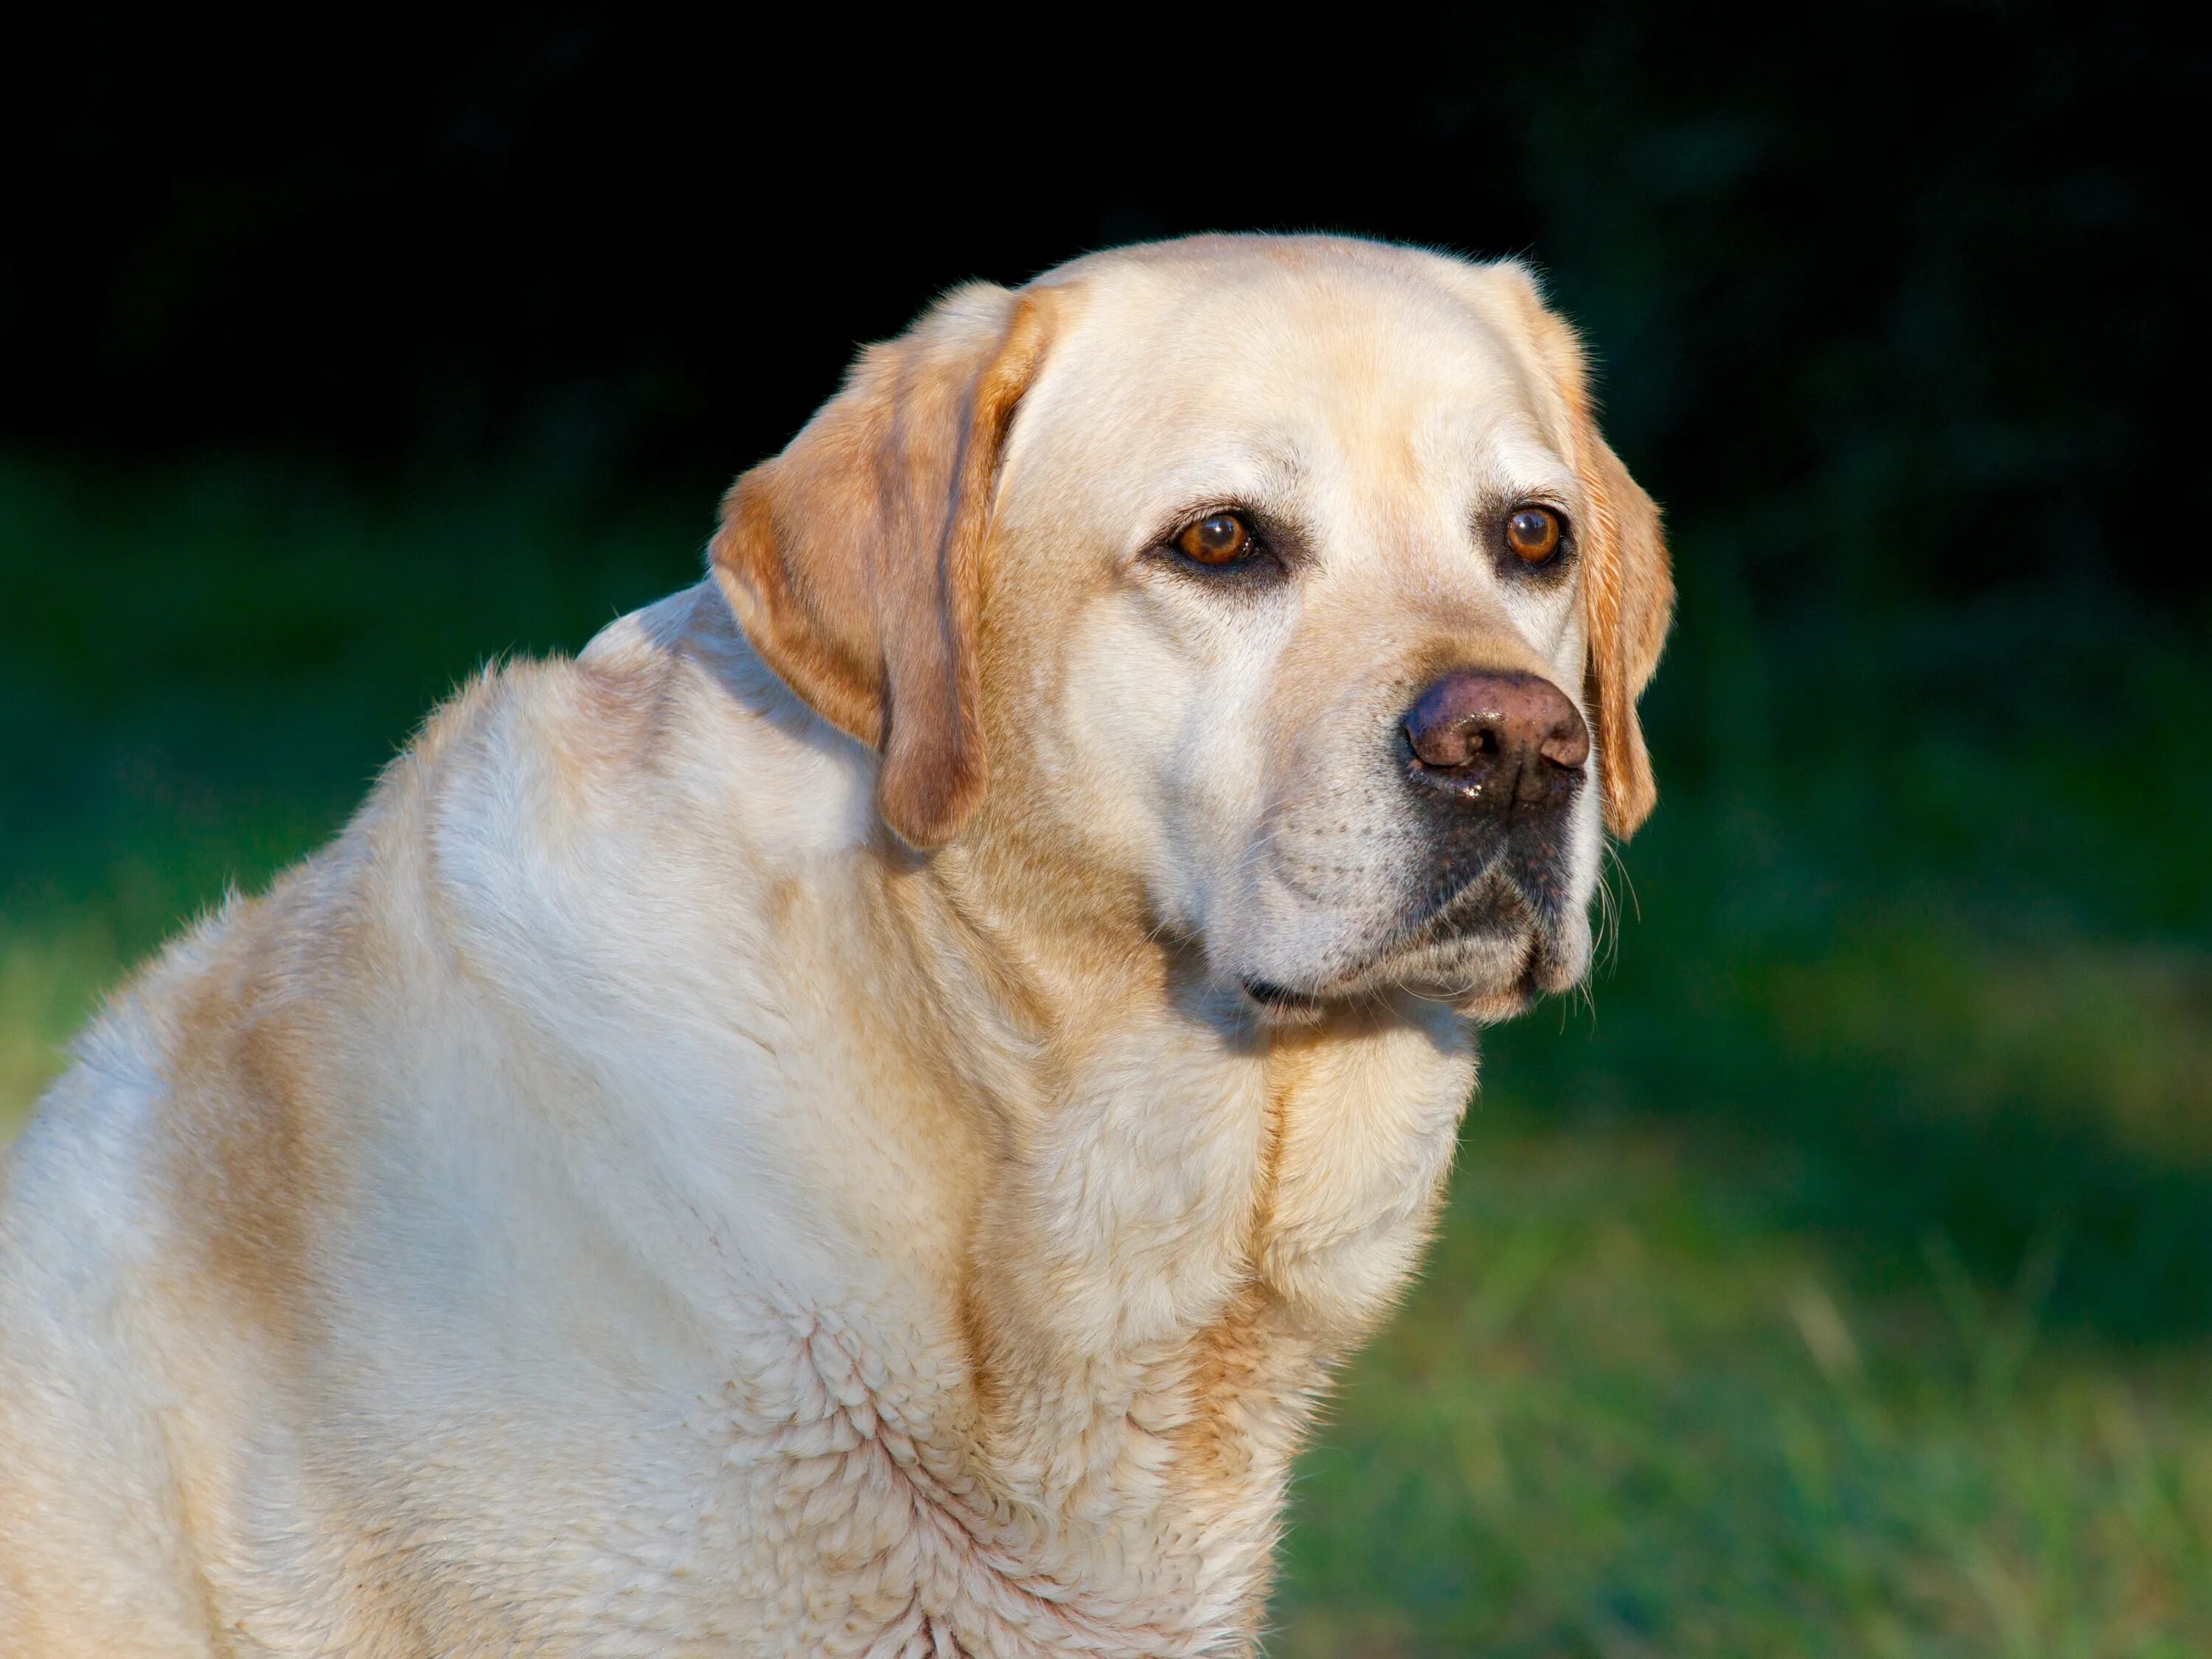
pixel 1269 994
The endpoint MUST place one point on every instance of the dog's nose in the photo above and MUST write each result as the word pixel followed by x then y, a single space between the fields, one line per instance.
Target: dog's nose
pixel 1493 738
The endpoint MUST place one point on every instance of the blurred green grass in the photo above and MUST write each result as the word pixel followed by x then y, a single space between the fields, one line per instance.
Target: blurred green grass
pixel 1836 1282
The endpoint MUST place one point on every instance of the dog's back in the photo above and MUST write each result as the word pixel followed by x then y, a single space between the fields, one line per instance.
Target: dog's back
pixel 250 1150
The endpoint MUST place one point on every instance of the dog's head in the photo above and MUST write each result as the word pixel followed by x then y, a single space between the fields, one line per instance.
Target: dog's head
pixel 1285 583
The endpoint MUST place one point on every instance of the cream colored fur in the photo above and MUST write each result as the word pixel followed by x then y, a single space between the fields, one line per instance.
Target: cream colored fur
pixel 620 1199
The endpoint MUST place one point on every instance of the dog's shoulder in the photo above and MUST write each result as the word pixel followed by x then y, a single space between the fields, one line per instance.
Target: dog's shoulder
pixel 192 1089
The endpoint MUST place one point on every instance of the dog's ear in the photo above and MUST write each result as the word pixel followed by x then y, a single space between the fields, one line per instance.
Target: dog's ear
pixel 853 559
pixel 1628 584
pixel 1628 598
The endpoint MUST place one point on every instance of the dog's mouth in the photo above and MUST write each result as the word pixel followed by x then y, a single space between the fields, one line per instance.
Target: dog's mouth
pixel 1489 949
pixel 1280 999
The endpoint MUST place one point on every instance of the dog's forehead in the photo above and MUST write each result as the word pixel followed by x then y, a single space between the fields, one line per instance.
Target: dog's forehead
pixel 1305 344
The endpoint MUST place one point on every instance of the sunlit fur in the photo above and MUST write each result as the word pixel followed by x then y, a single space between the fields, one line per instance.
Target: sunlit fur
pixel 623 1198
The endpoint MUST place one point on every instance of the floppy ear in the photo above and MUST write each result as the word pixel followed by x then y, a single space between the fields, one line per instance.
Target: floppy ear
pixel 853 559
pixel 1628 586
pixel 1628 599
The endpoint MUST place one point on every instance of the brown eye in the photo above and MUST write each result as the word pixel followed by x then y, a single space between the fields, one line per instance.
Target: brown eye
pixel 1532 534
pixel 1218 538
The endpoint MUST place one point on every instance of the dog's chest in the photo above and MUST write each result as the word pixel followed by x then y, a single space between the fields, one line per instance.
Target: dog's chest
pixel 830 1474
pixel 814 1489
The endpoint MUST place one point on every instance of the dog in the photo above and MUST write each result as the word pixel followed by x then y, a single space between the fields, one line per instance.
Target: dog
pixel 859 1114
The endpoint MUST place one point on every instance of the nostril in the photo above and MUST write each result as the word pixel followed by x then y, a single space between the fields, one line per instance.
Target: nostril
pixel 1566 745
pixel 1453 745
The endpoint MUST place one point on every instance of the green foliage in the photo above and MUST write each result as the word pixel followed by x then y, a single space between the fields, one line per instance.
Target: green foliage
pixel 1833 1282
pixel 1627 1414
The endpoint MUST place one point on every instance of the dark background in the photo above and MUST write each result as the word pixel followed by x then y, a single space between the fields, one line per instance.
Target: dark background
pixel 1901 295
pixel 1838 1277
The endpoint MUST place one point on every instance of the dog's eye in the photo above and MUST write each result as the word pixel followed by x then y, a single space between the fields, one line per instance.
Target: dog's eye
pixel 1217 538
pixel 1532 533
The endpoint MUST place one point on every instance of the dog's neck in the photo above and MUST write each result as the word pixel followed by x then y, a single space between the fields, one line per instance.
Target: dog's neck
pixel 1190 1218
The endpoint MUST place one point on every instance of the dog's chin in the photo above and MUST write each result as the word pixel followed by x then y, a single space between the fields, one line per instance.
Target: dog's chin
pixel 1487 972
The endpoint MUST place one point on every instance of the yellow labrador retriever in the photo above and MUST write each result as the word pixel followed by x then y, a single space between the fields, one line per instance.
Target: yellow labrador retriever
pixel 859 1115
